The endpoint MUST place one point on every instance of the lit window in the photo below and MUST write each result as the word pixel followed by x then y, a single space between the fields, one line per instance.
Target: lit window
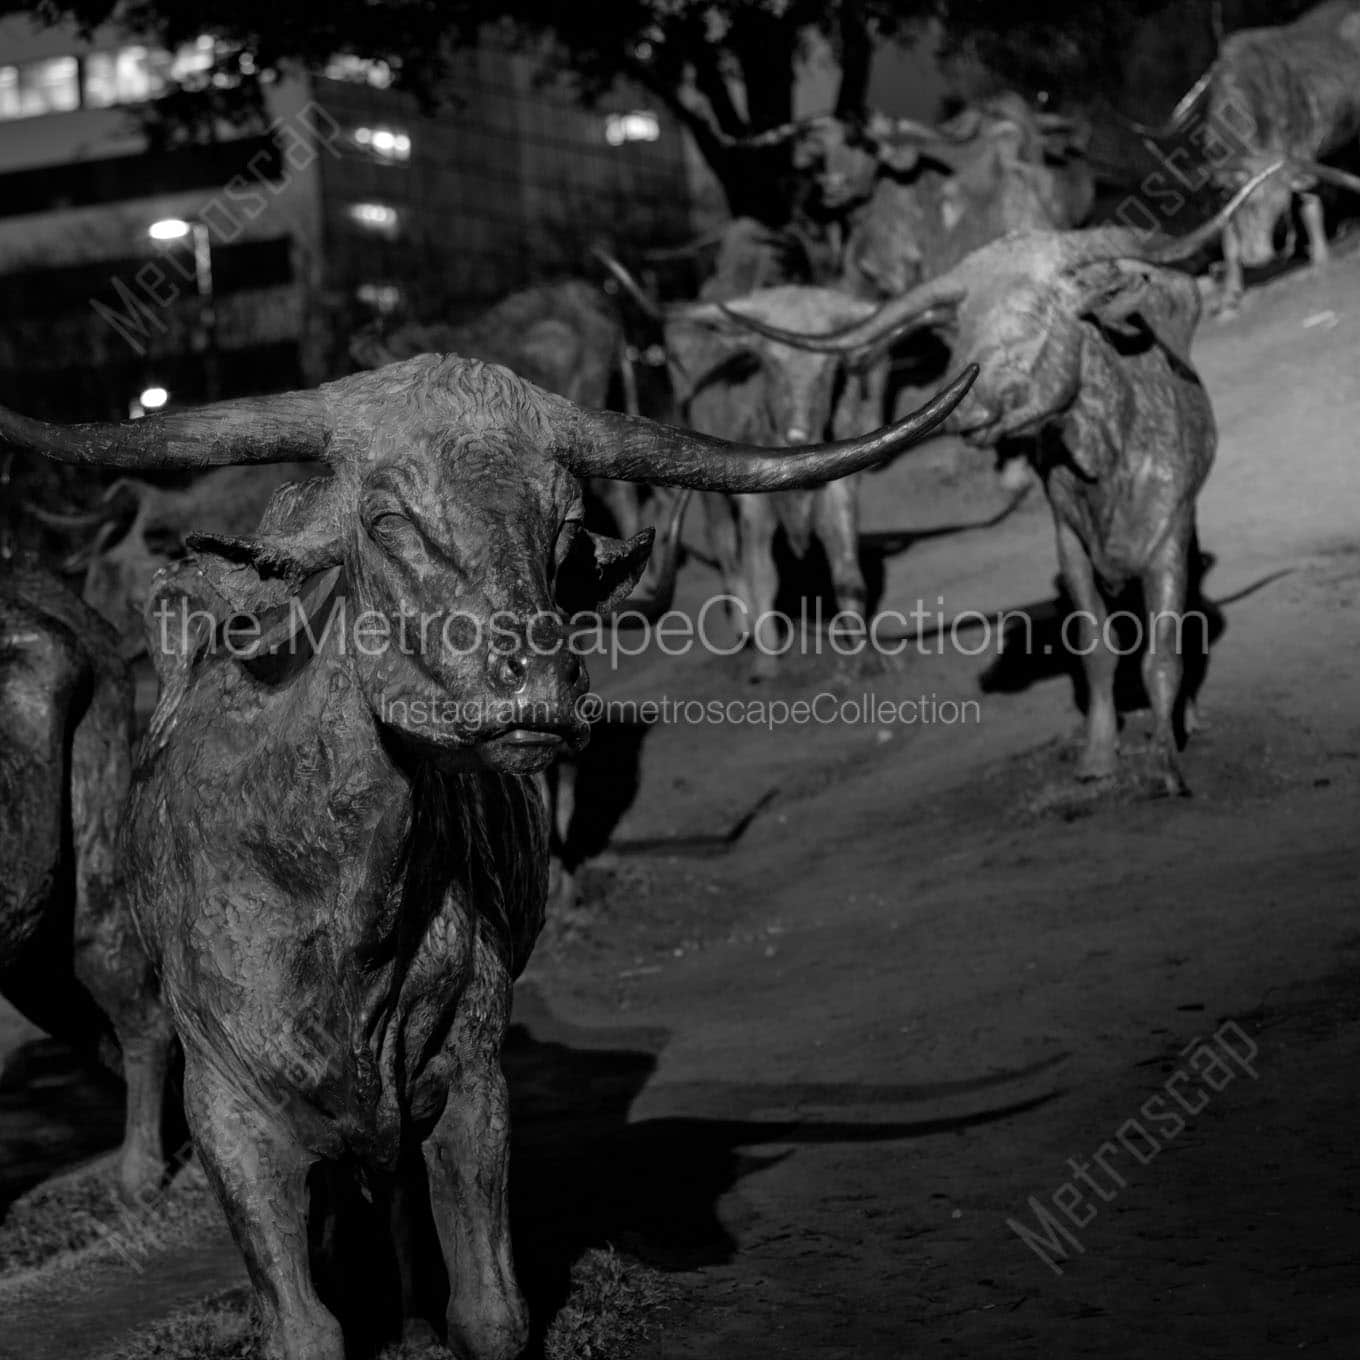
pixel 640 126
pixel 382 297
pixel 193 59
pixel 51 86
pixel 128 76
pixel 384 143
pixel 359 71
pixel 374 216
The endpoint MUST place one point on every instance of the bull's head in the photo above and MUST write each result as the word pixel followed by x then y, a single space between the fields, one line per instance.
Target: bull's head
pixel 1026 310
pixel 786 393
pixel 951 189
pixel 792 401
pixel 455 495
pixel 1256 220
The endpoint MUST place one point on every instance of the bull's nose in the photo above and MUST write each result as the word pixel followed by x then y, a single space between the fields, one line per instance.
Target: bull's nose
pixel 511 670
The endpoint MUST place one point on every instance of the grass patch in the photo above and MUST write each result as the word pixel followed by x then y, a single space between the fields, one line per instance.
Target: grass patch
pixel 85 1216
pixel 608 1312
pixel 219 1328
pixel 610 1308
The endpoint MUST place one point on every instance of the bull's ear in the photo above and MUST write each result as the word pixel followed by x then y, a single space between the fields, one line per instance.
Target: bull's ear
pixel 279 582
pixel 291 558
pixel 598 573
pixel 1129 297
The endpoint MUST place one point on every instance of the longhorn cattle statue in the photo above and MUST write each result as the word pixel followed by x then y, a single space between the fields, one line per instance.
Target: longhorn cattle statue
pixel 70 958
pixel 908 200
pixel 739 385
pixel 1288 93
pixel 335 847
pixel 1082 340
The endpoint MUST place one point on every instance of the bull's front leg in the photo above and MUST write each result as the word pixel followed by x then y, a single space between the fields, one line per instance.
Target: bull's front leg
pixel 466 1162
pixel 110 960
pixel 258 1171
pixel 1310 209
pixel 1164 592
pixel 1100 750
pixel 835 521
pixel 1231 296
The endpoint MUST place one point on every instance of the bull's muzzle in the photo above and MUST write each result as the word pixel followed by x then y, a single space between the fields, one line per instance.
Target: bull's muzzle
pixel 537 680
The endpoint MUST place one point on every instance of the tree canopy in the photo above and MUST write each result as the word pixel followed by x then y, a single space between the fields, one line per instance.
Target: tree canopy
pixel 725 70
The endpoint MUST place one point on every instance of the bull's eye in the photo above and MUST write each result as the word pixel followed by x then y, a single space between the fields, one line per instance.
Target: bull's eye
pixel 388 527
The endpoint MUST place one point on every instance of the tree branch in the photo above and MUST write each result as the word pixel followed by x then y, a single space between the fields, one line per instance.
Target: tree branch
pixel 857 56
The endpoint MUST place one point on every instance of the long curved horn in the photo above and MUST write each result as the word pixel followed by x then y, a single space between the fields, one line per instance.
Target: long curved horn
pixel 79 521
pixel 1180 115
pixel 279 429
pixel 1329 174
pixel 631 449
pixel 893 320
pixel 629 284
pixel 918 131
pixel 74 522
pixel 661 254
pixel 775 136
pixel 1100 243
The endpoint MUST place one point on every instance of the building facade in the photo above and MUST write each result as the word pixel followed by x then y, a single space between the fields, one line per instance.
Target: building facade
pixel 130 265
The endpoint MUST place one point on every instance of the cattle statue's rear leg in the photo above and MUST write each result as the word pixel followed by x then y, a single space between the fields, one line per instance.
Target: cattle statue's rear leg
pixel 835 518
pixel 760 584
pixel 1164 591
pixel 259 1172
pixel 1100 751
pixel 466 1161
pixel 1231 295
pixel 1310 209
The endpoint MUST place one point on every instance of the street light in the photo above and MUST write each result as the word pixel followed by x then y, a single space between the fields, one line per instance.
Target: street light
pixel 154 398
pixel 176 229
pixel 169 229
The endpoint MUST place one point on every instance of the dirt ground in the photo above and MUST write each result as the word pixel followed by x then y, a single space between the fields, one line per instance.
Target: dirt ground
pixel 818 1072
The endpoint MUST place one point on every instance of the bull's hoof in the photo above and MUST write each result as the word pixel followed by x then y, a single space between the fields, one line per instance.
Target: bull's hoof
pixel 763 669
pixel 417 1334
pixel 140 1177
pixel 1093 768
pixel 865 664
pixel 1170 783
